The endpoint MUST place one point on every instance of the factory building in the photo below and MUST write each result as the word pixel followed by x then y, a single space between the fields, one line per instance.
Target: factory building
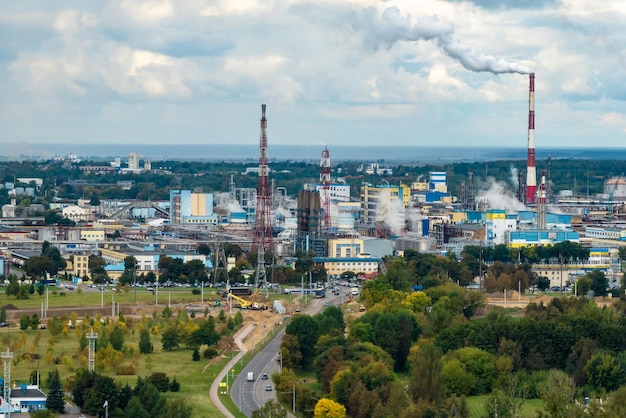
pixel 382 202
pixel 191 208
pixel 615 188
pixel 530 238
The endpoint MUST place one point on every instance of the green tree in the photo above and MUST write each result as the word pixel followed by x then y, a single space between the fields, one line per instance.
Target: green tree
pixel 271 409
pixel 117 338
pixel 306 330
pixel 427 376
pixel 605 372
pixel 557 393
pixel 599 283
pixel 583 285
pixel 135 409
pixel 3 314
pixel 54 400
pixel 24 322
pixel 177 408
pixel 170 339
pixel 145 345
pixel 40 265
pixel 160 381
pixel 174 386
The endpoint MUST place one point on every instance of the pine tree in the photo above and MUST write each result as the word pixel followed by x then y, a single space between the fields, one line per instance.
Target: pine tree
pixel 117 338
pixel 145 346
pixel 54 401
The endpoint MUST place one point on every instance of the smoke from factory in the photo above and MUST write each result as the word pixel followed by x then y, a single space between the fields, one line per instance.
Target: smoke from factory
pixel 514 177
pixel 497 196
pixel 392 27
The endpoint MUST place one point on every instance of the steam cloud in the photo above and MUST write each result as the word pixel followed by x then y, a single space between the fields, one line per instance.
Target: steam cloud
pixel 392 27
pixel 498 197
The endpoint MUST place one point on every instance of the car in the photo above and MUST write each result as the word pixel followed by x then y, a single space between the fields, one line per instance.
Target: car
pixel 264 376
pixel 268 388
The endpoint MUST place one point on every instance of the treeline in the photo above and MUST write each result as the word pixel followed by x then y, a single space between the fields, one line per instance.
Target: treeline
pixel 584 177
pixel 93 392
pixel 420 353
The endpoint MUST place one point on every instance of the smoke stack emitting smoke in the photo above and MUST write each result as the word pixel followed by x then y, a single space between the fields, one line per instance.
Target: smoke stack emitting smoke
pixel 392 27
pixel 531 173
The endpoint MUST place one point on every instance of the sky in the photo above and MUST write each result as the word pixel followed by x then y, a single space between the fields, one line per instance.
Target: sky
pixel 347 73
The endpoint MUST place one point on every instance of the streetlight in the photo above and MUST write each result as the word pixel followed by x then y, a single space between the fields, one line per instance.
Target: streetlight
pixel 294 395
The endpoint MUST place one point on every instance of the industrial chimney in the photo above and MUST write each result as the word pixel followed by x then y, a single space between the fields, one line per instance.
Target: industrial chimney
pixel 531 173
pixel 541 203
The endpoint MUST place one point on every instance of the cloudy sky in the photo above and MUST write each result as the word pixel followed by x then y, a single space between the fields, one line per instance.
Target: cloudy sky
pixel 354 72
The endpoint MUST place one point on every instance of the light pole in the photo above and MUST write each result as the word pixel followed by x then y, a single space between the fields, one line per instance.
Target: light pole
pixel 293 405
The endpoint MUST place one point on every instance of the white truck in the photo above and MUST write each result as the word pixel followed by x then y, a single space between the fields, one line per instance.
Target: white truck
pixel 250 377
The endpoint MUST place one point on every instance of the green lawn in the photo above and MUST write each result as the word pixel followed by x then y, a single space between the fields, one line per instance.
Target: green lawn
pixel 60 297
pixel 476 406
pixel 38 350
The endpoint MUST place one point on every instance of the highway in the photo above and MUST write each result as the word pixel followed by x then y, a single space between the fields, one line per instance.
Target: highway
pixel 250 396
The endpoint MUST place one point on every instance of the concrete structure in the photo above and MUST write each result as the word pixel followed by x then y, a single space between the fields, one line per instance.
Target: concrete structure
pixel 78 213
pixel 94 235
pixel 438 181
pixel 27 399
pixel 529 238
pixel 335 267
pixel 80 265
pixel 615 188
pixel 147 256
pixel 531 171
pixel 191 208
pixel 133 161
pixel 345 247
pixel 383 202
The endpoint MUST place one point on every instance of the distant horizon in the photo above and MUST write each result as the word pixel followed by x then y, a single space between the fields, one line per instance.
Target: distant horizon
pixel 244 152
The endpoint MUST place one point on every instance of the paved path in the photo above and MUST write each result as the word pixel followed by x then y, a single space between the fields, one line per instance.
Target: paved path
pixel 215 397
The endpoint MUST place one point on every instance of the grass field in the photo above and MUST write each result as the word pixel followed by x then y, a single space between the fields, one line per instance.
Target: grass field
pixel 476 406
pixel 38 350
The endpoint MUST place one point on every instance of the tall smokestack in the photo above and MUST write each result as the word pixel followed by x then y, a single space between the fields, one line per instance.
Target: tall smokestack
pixel 541 202
pixel 531 173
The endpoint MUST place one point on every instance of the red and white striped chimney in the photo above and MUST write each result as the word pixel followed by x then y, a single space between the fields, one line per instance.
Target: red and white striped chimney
pixel 531 173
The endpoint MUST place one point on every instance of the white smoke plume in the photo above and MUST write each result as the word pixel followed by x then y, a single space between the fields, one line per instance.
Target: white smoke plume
pixel 225 201
pixel 514 177
pixel 392 27
pixel 498 196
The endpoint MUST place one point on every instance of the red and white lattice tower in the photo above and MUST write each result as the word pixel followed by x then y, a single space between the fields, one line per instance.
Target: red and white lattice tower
pixel 262 240
pixel 325 188
pixel 531 173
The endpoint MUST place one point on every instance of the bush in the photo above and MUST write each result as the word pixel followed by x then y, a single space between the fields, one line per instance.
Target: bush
pixel 195 291
pixel 160 381
pixel 175 386
pixel 125 370
pixel 210 352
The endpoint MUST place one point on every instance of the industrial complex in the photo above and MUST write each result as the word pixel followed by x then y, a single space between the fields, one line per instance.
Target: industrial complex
pixel 344 231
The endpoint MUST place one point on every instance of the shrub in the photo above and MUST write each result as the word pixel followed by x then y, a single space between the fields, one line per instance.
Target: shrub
pixel 175 386
pixel 210 352
pixel 195 291
pixel 160 381
pixel 125 370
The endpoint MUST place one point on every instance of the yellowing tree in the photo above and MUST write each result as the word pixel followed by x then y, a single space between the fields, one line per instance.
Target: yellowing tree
pixel 417 302
pixel 327 408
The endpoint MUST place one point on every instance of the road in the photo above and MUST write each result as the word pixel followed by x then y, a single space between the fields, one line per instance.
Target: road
pixel 249 396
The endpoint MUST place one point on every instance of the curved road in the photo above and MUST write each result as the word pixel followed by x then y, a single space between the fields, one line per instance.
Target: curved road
pixel 250 396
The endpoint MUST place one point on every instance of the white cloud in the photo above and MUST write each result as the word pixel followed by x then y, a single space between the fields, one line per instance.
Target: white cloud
pixel 310 55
